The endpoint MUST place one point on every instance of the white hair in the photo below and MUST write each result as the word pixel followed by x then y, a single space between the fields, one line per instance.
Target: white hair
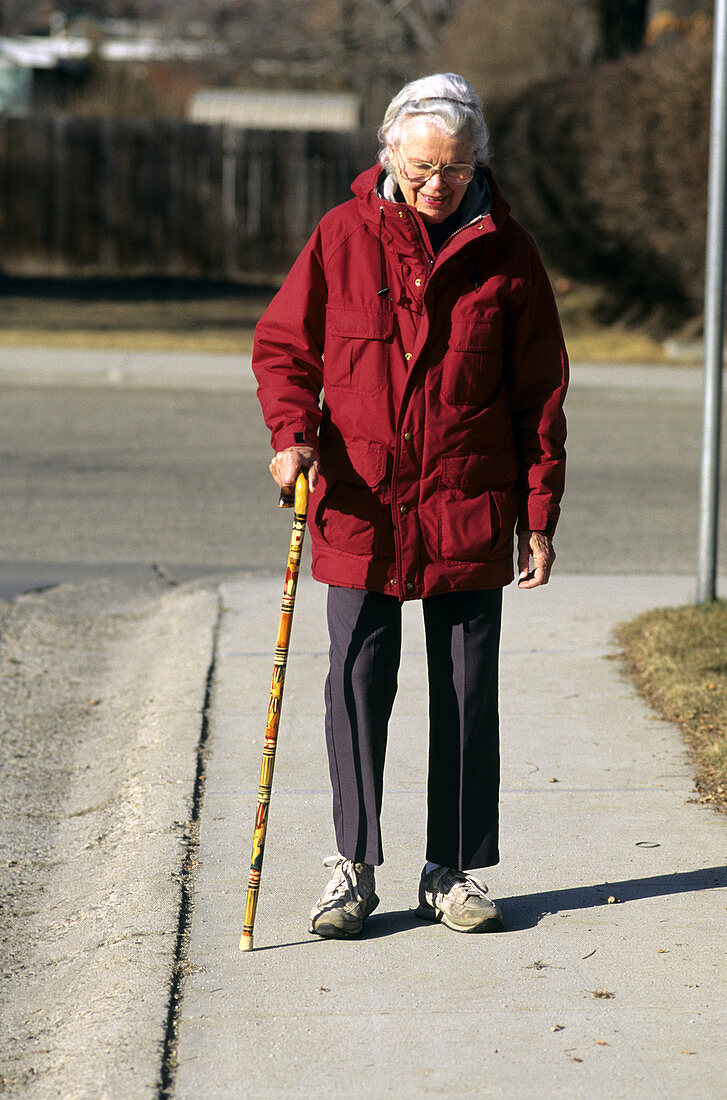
pixel 447 100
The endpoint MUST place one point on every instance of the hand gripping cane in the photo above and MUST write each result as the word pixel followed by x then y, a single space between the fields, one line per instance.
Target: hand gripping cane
pixel 299 500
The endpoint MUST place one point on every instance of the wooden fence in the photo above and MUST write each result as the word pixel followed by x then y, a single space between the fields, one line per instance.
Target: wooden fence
pixel 123 197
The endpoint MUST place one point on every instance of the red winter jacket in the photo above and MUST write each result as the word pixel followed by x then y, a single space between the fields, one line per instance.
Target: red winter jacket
pixel 441 422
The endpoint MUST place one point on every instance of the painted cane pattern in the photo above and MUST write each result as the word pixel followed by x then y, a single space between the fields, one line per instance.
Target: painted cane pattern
pixel 280 660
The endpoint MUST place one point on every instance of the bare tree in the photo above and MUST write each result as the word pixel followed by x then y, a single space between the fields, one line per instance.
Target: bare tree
pixel 504 49
pixel 622 26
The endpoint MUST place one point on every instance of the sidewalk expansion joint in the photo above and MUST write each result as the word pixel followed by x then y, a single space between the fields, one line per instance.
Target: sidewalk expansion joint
pixel 181 964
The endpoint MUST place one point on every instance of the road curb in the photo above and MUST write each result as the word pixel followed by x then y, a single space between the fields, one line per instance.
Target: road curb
pixel 108 707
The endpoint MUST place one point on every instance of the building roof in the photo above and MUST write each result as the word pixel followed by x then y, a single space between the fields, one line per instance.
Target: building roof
pixel 281 110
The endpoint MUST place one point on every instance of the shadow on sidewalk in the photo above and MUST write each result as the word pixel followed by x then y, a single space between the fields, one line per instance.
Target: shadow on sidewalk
pixel 528 910
pixel 377 926
pixel 383 924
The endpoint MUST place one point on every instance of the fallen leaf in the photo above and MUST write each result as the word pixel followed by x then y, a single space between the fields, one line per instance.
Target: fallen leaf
pixel 612 899
pixel 603 994
pixel 558 1027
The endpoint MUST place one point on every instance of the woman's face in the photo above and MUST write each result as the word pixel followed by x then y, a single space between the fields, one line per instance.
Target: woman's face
pixel 422 140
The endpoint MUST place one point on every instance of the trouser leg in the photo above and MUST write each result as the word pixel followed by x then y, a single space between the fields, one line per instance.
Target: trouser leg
pixel 365 637
pixel 463 636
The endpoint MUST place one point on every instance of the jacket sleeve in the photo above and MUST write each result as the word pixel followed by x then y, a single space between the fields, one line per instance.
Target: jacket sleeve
pixel 288 352
pixel 537 366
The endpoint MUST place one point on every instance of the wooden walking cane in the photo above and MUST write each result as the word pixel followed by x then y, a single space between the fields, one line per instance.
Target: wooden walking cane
pixel 299 500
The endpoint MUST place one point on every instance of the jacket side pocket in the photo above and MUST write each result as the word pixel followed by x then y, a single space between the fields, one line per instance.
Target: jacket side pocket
pixel 353 516
pixel 477 505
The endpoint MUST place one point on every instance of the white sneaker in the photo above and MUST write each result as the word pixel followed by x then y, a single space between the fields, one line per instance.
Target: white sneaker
pixel 346 902
pixel 458 900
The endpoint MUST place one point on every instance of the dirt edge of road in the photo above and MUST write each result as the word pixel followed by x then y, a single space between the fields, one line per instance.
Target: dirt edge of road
pixel 103 692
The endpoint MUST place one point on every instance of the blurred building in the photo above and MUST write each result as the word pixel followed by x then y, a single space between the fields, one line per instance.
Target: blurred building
pixel 36 70
pixel 277 110
pixel 46 70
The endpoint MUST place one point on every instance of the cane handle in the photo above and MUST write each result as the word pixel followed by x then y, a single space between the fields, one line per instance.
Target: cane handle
pixel 295 496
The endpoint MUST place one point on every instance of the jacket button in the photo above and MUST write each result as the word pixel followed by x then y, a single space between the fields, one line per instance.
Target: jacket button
pixel 393 581
pixel 407 355
pixel 410 586
pixel 408 436
pixel 403 509
pixel 417 282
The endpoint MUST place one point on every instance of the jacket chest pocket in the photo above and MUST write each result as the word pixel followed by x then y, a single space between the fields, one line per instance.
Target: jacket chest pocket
pixel 357 347
pixel 472 367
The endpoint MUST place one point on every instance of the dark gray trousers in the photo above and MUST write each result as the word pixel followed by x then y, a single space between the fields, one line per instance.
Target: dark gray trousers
pixel 462 640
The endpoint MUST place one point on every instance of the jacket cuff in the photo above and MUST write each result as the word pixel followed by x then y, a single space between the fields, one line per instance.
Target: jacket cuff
pixel 298 435
pixel 538 521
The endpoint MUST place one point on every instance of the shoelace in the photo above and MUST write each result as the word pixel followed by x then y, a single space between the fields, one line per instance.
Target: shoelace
pixel 340 883
pixel 462 883
pixel 345 881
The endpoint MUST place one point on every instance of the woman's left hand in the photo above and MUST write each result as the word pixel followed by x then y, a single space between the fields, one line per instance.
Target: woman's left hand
pixel 540 547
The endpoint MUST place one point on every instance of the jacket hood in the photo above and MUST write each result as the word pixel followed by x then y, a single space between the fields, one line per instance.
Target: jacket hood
pixel 482 197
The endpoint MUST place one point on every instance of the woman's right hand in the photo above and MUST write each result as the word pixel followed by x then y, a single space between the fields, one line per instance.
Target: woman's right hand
pixel 287 464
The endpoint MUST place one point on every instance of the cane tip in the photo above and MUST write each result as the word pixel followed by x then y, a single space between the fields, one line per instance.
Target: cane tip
pixel 246 943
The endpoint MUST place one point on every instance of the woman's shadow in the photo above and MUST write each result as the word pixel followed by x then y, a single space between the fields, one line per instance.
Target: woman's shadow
pixel 527 910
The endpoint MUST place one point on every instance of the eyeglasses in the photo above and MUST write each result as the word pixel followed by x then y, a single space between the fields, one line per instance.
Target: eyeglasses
pixel 419 171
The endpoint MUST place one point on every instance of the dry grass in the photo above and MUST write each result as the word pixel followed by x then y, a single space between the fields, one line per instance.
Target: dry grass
pixel 208 341
pixel 161 316
pixel 591 344
pixel 678 658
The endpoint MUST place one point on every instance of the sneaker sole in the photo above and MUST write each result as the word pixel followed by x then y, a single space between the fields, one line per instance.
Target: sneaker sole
pixel 334 932
pixel 489 924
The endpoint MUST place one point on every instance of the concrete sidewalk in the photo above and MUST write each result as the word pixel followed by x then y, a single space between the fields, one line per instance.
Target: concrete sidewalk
pixel 580 996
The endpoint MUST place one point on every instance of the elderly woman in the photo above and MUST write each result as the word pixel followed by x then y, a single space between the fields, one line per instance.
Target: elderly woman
pixel 413 364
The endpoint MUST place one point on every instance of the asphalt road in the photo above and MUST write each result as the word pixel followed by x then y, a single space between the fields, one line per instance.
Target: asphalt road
pixel 109 480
